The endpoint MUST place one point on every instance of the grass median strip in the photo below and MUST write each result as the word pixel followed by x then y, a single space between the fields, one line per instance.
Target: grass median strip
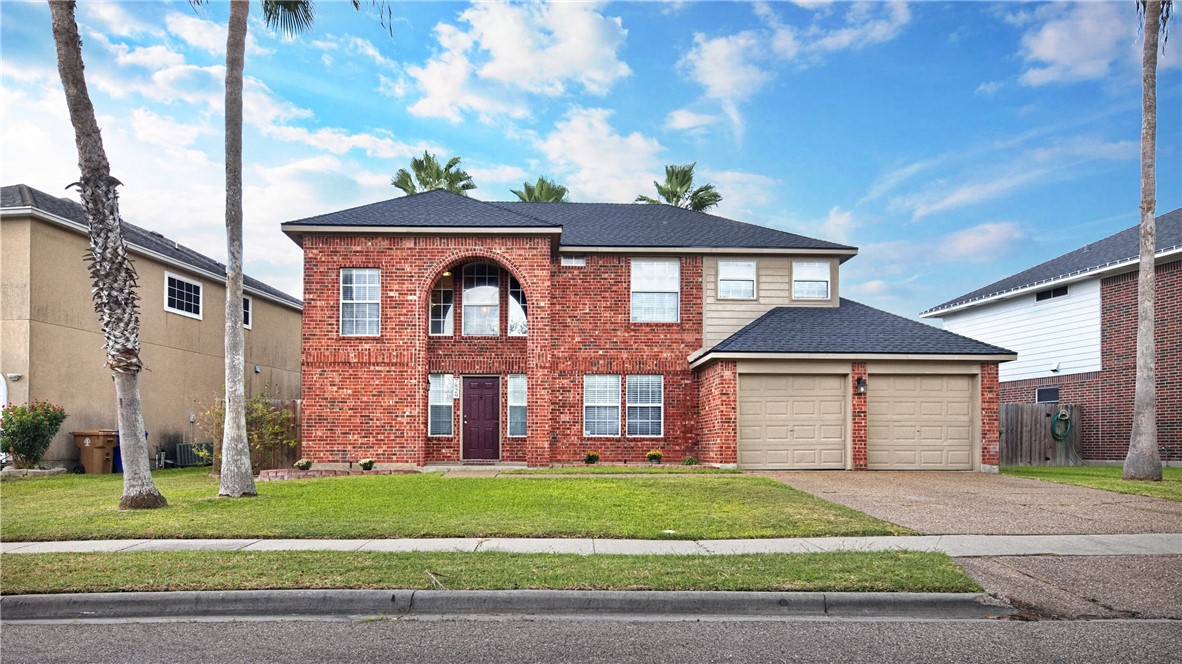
pixel 427 505
pixel 894 571
pixel 1106 478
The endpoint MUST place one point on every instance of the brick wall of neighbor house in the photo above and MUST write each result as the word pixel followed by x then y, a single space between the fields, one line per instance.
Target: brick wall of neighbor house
pixel 859 455
pixel 1107 395
pixel 990 415
pixel 718 425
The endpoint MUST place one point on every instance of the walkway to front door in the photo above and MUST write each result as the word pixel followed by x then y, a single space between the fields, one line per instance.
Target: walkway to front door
pixel 482 421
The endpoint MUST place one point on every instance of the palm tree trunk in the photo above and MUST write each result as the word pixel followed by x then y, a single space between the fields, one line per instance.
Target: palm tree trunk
pixel 112 274
pixel 236 476
pixel 1143 461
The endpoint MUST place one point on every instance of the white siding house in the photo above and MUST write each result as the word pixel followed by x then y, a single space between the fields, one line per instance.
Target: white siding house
pixel 1054 336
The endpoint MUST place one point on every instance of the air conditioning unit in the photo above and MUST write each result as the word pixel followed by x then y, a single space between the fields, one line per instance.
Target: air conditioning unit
pixel 194 454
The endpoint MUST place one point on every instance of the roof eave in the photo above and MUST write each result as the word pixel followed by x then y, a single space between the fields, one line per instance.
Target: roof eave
pixel 701 359
pixel 586 249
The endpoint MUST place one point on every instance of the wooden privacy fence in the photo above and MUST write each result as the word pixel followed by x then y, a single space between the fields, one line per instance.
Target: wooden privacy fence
pixel 1027 440
pixel 283 458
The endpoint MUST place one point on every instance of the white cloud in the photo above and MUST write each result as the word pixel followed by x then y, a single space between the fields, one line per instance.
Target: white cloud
pixel 868 26
pixel 687 120
pixel 724 65
pixel 392 87
pixel 514 50
pixel 116 20
pixel 987 88
pixel 981 243
pixel 499 174
pixel 742 192
pixel 1088 148
pixel 838 226
pixel 1081 43
pixel 339 141
pixel 596 162
pixel 928 203
pixel 206 35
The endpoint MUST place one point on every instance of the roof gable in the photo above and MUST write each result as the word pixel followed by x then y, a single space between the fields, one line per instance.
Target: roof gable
pixel 429 209
pixel 1115 249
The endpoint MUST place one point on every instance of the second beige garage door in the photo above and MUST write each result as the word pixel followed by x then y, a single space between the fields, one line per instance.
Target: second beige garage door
pixel 919 422
pixel 792 421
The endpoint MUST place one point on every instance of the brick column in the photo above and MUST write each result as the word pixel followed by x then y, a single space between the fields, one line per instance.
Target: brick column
pixel 990 424
pixel 858 418
pixel 718 417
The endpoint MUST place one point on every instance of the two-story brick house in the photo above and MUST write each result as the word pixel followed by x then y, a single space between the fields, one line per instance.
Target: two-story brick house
pixel 439 328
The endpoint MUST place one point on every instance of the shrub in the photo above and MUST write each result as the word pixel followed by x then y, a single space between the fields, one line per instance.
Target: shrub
pixel 591 457
pixel 26 430
pixel 366 464
pixel 690 461
pixel 303 464
pixel 654 456
pixel 268 428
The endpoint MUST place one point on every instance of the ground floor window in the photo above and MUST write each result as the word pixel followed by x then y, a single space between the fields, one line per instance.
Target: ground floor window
pixel 517 404
pixel 440 399
pixel 646 406
pixel 601 405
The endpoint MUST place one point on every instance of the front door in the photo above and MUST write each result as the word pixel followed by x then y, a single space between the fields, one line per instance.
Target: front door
pixel 482 417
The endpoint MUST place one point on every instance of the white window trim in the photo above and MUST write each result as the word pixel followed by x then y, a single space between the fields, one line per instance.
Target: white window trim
pixel 754 281
pixel 248 325
pixel 828 282
pixel 451 403
pixel 619 414
pixel 509 405
pixel 628 404
pixel 341 307
pixel 631 291
pixel 200 295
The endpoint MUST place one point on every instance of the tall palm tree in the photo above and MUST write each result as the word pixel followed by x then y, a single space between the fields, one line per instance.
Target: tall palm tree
pixel 426 174
pixel 678 190
pixel 111 273
pixel 544 190
pixel 1143 461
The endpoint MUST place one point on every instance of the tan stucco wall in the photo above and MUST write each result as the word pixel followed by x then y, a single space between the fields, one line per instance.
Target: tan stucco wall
pixel 14 307
pixel 773 288
pixel 63 354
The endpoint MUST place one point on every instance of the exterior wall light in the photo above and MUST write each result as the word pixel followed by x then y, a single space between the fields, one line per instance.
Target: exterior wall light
pixel 14 377
pixel 860 383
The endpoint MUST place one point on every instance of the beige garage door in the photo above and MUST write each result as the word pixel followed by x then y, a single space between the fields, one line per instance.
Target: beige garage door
pixel 792 421
pixel 919 422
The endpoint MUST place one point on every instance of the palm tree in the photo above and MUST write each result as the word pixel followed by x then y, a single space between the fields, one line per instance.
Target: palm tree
pixel 544 190
pixel 111 273
pixel 1143 461
pixel 678 190
pixel 426 174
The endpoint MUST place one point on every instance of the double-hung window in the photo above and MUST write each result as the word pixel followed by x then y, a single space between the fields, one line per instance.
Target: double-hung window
pixel 655 290
pixel 247 310
pixel 517 320
pixel 810 281
pixel 440 400
pixel 182 296
pixel 442 323
pixel 482 300
pixel 601 405
pixel 646 406
pixel 361 302
pixel 517 405
pixel 736 280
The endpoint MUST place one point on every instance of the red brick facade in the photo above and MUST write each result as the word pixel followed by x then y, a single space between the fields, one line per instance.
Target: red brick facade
pixel 1106 396
pixel 859 455
pixel 368 396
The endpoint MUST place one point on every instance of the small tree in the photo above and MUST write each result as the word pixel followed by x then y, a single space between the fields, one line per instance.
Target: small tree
pixel 27 430
pixel 268 428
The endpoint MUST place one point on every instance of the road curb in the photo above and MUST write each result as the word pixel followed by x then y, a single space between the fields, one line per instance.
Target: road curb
pixel 432 603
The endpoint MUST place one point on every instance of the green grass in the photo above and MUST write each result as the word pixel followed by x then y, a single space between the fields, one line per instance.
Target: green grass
pixel 429 505
pixel 1106 478
pixel 899 571
pixel 637 469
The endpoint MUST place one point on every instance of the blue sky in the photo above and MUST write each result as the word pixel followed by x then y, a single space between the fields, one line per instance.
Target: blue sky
pixel 953 143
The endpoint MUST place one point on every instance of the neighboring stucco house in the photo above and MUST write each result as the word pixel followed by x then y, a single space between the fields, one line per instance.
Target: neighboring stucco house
pixel 441 329
pixel 1073 322
pixel 52 342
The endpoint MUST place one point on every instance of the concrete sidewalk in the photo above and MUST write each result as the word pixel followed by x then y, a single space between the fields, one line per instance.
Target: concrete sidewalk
pixel 959 546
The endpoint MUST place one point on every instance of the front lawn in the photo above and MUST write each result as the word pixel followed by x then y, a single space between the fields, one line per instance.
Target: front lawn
pixel 1106 478
pixel 897 571
pixel 636 469
pixel 428 505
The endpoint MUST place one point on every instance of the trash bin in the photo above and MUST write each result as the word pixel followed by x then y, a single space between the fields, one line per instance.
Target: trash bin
pixel 95 447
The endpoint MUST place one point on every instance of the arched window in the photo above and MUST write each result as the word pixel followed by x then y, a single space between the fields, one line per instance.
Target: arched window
pixel 482 306
pixel 517 319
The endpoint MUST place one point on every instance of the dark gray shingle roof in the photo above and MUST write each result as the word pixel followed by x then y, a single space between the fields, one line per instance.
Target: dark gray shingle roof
pixel 850 328
pixel 582 224
pixel 1121 247
pixel 21 195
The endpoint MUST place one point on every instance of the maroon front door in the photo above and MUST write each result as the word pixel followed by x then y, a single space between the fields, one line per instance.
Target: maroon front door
pixel 482 417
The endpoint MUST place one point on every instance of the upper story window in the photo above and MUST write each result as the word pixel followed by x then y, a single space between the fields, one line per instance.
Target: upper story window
pixel 736 280
pixel 656 284
pixel 810 281
pixel 517 319
pixel 574 261
pixel 182 296
pixel 247 311
pixel 1061 291
pixel 361 302
pixel 482 301
pixel 442 316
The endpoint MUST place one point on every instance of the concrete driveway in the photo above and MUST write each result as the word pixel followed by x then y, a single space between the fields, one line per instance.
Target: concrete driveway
pixel 965 503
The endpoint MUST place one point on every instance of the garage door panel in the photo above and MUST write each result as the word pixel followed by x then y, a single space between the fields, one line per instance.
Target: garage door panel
pixel 920 422
pixel 792 421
